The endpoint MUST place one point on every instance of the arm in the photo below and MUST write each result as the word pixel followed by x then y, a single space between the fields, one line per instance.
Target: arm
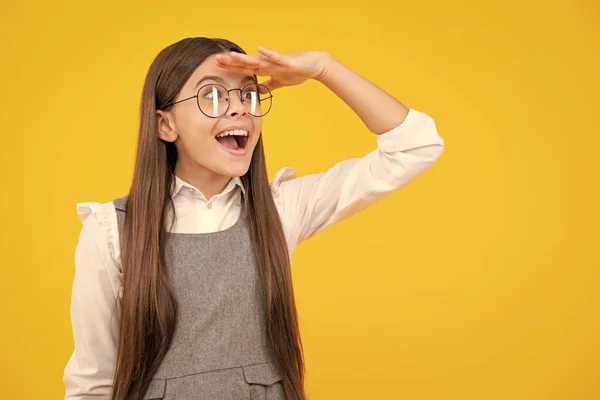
pixel 379 111
pixel 312 203
pixel 89 372
pixel 408 143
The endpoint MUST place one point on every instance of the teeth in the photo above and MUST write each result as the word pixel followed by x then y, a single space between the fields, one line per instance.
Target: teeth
pixel 235 132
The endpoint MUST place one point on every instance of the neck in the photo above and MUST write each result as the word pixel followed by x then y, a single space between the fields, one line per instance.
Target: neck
pixel 206 181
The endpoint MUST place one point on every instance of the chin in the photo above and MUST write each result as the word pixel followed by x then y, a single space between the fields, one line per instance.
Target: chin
pixel 233 162
pixel 238 174
pixel 236 171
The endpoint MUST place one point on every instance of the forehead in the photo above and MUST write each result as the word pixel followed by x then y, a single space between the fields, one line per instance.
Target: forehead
pixel 209 68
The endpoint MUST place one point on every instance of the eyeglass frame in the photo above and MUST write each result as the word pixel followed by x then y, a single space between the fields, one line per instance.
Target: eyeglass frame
pixel 197 96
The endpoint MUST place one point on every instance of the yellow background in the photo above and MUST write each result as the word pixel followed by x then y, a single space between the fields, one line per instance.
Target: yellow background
pixel 480 280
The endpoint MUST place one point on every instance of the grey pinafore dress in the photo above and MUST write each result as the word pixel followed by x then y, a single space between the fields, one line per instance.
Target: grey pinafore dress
pixel 219 350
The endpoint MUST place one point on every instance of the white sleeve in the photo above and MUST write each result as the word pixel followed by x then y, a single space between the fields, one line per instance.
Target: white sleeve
pixel 94 318
pixel 310 204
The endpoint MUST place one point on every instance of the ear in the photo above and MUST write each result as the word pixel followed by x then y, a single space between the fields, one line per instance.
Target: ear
pixel 166 126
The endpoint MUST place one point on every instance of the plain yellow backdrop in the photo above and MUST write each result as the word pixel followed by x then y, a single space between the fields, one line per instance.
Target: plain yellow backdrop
pixel 480 280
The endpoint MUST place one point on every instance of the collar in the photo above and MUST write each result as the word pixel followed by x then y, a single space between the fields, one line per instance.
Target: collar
pixel 180 184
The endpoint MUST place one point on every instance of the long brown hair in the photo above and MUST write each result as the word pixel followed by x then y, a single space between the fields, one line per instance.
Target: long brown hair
pixel 148 309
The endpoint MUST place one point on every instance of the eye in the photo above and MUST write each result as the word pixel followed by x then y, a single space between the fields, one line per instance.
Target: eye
pixel 249 93
pixel 211 92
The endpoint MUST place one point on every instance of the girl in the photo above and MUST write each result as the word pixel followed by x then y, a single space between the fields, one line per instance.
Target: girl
pixel 183 288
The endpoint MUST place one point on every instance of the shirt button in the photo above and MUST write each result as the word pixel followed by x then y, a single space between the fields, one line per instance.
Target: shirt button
pixel 209 205
pixel 192 190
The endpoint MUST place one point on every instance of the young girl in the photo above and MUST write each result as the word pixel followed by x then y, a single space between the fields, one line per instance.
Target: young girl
pixel 183 288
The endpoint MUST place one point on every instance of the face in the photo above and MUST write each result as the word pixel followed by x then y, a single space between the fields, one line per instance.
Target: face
pixel 211 148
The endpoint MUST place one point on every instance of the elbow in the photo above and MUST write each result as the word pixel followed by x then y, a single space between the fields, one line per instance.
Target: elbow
pixel 427 154
pixel 432 144
pixel 435 143
pixel 436 150
pixel 413 163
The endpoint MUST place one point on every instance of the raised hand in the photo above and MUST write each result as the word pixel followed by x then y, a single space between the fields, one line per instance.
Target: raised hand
pixel 283 69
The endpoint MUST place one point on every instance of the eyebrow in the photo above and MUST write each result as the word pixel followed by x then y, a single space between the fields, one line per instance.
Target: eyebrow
pixel 220 80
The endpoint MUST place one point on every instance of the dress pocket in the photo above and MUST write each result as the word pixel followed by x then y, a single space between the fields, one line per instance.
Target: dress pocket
pixel 156 390
pixel 265 381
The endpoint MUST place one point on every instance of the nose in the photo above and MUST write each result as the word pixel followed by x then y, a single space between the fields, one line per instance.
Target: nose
pixel 236 107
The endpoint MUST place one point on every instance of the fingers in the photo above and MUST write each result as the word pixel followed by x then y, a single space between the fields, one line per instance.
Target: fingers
pixel 244 60
pixel 256 65
pixel 227 62
pixel 240 59
pixel 269 62
pixel 272 55
pixel 243 70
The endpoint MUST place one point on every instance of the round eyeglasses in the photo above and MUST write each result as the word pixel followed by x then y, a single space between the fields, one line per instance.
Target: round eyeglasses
pixel 213 99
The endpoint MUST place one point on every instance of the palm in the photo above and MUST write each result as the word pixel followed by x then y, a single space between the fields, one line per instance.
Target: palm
pixel 284 69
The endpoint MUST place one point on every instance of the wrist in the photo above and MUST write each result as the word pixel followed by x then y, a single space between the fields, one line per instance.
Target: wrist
pixel 325 64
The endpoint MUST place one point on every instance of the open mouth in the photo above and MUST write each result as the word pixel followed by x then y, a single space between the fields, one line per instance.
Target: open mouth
pixel 236 139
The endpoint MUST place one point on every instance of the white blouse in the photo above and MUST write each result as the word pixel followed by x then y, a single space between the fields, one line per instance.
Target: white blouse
pixel 307 205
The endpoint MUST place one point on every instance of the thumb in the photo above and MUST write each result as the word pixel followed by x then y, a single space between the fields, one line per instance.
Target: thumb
pixel 271 84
